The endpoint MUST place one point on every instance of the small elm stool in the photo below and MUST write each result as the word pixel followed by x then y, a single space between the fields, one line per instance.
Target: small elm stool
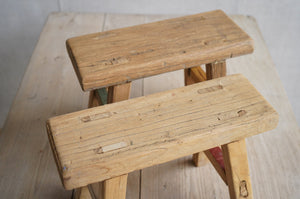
pixel 121 135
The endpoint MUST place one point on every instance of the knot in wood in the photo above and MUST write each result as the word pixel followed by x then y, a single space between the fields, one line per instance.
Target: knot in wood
pixel 243 189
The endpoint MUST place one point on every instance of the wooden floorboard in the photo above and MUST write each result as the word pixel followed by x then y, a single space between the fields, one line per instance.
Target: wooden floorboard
pixel 50 87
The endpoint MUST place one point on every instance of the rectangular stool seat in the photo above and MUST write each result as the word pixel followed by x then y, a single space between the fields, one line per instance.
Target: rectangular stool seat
pixel 122 55
pixel 107 141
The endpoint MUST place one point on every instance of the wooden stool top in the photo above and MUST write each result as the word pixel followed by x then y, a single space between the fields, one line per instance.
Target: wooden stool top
pixel 107 141
pixel 122 55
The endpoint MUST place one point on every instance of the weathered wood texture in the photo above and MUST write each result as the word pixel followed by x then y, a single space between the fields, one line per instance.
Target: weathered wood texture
pixel 176 179
pixel 118 93
pixel 195 75
pixel 28 170
pixel 113 22
pixel 215 70
pixel 87 192
pixel 108 188
pixel 94 99
pixel 192 76
pixel 122 55
pixel 115 188
pixel 107 141
pixel 237 170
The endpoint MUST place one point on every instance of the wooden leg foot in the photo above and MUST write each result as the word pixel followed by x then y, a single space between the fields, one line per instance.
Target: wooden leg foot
pixel 237 170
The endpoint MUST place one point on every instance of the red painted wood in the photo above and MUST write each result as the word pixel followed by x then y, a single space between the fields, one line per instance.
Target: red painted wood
pixel 218 155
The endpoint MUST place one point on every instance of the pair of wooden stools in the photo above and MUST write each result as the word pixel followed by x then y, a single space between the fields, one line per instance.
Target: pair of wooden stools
pixel 107 142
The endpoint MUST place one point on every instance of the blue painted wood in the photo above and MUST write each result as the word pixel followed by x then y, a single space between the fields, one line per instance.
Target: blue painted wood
pixel 102 94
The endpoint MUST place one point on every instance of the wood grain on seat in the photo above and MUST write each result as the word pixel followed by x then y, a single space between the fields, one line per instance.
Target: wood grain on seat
pixel 122 55
pixel 107 141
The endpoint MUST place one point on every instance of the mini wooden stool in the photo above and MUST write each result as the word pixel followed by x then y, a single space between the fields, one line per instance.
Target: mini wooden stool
pixel 107 142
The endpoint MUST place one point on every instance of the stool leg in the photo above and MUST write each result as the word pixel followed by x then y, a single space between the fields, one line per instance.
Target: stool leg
pixel 215 70
pixel 192 76
pixel 84 192
pixel 93 100
pixel 115 94
pixel 118 93
pixel 195 75
pixel 115 188
pixel 237 171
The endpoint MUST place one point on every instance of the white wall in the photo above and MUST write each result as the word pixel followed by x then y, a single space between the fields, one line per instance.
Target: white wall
pixel 22 21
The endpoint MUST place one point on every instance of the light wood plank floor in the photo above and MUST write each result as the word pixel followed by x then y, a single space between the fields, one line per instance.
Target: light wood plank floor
pixel 50 87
